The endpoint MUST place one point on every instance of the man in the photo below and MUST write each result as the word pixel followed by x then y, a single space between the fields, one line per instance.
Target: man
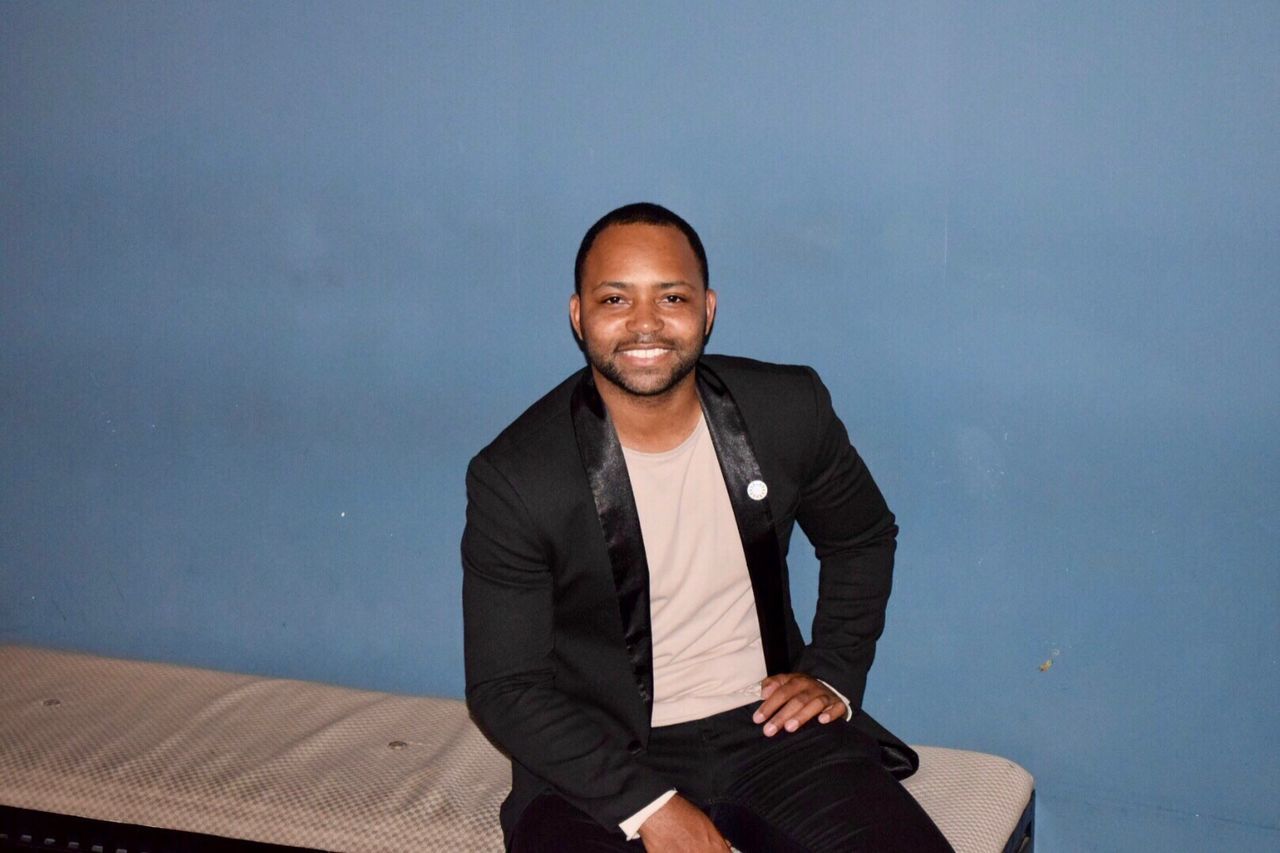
pixel 629 635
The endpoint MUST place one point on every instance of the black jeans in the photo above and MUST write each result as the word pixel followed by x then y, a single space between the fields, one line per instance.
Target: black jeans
pixel 816 790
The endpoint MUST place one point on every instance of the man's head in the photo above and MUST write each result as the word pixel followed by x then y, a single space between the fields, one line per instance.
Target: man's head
pixel 640 213
pixel 641 306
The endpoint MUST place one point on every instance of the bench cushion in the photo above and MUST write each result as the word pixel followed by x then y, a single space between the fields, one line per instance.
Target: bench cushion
pixel 312 765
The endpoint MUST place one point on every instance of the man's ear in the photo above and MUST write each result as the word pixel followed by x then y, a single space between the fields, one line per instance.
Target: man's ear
pixel 575 316
pixel 711 312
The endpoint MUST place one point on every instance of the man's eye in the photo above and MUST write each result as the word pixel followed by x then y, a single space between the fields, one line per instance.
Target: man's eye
pixel 672 297
pixel 612 300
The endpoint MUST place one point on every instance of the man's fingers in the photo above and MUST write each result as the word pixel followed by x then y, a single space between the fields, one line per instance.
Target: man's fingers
pixel 791 700
pixel 824 709
pixel 772 691
pixel 782 693
pixel 795 714
pixel 772 683
pixel 772 699
pixel 835 711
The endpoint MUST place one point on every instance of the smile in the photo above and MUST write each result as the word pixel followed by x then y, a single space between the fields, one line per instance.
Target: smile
pixel 651 352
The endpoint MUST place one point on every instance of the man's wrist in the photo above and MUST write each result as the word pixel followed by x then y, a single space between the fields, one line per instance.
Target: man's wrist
pixel 631 826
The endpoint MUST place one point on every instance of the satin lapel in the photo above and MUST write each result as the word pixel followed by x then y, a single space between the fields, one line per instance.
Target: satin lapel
pixel 755 518
pixel 620 521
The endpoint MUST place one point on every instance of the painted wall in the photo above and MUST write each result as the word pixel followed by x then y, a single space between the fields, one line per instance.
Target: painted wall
pixel 271 273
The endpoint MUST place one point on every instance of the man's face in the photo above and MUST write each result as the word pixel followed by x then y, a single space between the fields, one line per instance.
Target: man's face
pixel 644 312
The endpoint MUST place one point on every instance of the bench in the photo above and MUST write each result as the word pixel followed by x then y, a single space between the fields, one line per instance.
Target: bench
pixel 99 755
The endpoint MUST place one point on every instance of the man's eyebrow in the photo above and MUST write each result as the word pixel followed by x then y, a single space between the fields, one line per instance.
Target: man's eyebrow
pixel 625 285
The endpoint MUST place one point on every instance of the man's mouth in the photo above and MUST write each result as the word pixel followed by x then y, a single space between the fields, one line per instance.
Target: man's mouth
pixel 644 353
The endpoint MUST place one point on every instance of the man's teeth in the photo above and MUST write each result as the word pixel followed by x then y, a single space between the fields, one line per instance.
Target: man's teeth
pixel 646 353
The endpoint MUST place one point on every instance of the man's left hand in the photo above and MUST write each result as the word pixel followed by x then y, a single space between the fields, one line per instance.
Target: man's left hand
pixel 792 699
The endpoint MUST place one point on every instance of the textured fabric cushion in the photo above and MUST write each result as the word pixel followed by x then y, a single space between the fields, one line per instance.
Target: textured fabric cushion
pixel 310 765
pixel 976 799
pixel 263 759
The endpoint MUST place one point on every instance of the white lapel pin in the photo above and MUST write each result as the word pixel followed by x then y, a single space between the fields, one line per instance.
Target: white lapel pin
pixel 756 490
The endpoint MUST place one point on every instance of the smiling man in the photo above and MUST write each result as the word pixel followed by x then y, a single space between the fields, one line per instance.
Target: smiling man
pixel 629 635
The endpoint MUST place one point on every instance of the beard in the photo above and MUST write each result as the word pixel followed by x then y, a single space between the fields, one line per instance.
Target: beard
pixel 647 381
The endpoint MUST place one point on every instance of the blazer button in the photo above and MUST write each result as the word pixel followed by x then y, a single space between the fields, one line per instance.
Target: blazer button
pixel 634 747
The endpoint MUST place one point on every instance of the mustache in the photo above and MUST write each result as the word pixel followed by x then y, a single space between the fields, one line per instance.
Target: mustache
pixel 647 341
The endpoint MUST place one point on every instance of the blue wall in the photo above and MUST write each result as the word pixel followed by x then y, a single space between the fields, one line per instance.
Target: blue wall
pixel 272 273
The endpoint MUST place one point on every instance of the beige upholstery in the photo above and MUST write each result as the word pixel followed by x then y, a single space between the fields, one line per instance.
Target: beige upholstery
pixel 310 765
pixel 975 798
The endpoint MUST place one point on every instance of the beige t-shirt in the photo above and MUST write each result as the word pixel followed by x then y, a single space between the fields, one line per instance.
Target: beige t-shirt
pixel 707 654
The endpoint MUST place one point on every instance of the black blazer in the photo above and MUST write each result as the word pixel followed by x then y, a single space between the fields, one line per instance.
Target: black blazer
pixel 556 587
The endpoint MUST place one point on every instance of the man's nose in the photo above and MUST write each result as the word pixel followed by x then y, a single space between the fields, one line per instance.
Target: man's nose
pixel 644 318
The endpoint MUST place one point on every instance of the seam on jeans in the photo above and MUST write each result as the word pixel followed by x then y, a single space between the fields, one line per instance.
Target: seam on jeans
pixel 774 828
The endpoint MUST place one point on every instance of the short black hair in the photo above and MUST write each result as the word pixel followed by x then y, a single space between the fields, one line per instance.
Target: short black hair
pixel 639 213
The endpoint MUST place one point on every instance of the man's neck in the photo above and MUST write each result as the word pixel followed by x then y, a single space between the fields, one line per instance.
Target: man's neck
pixel 652 424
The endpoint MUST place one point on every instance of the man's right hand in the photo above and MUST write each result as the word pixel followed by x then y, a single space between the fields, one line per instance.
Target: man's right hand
pixel 681 827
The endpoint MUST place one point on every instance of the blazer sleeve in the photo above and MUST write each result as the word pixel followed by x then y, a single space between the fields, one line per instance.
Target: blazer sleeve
pixel 854 535
pixel 509 637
